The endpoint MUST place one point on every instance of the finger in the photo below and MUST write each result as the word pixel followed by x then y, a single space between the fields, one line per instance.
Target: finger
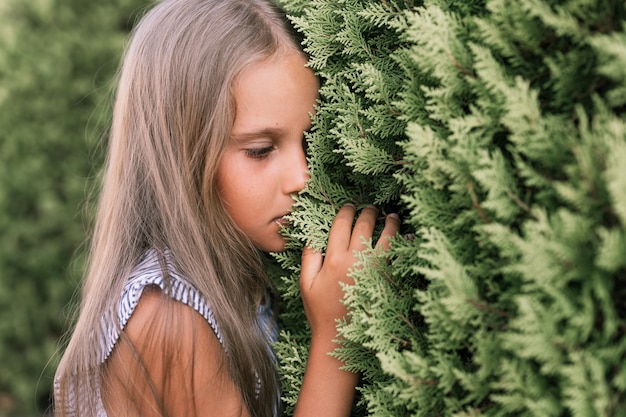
pixel 339 237
pixel 363 228
pixel 311 264
pixel 392 227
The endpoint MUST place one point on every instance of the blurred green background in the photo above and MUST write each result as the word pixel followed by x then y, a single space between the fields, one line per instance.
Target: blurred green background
pixel 57 62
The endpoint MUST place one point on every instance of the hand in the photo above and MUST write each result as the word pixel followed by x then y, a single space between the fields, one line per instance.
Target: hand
pixel 320 276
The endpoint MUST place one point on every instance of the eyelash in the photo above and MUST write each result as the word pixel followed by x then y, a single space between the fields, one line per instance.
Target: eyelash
pixel 259 153
pixel 263 153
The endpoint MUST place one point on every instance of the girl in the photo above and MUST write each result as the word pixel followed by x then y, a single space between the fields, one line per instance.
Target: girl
pixel 206 151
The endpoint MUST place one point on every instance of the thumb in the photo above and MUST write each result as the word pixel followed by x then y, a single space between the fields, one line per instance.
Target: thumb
pixel 311 264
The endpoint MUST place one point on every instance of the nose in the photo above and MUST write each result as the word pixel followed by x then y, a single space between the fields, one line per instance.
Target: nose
pixel 296 172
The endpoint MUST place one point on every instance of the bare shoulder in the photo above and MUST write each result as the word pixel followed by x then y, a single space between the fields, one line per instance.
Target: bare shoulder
pixel 169 361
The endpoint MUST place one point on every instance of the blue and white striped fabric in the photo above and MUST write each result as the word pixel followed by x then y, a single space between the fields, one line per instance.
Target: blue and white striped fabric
pixel 147 273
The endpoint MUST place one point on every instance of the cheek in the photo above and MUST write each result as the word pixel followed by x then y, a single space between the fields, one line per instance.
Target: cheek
pixel 226 178
pixel 237 195
pixel 240 183
pixel 228 192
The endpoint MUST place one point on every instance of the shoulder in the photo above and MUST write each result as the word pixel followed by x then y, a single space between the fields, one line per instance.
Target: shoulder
pixel 162 325
pixel 169 357
pixel 150 274
pixel 162 273
pixel 170 322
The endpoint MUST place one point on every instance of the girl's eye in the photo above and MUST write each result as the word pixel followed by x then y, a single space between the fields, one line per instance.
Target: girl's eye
pixel 259 153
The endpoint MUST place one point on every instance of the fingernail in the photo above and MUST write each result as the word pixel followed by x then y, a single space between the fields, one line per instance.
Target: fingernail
pixel 394 216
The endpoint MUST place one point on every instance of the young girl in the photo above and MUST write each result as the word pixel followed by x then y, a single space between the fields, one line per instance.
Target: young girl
pixel 205 154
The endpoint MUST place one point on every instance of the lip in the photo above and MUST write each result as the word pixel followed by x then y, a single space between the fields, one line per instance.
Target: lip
pixel 282 220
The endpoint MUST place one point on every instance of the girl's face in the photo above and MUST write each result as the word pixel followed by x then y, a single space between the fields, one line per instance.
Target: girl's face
pixel 264 162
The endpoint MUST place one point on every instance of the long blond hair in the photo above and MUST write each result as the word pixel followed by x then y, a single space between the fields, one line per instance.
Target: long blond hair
pixel 173 114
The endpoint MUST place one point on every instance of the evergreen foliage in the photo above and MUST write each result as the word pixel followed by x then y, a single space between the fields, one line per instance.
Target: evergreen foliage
pixel 56 60
pixel 496 129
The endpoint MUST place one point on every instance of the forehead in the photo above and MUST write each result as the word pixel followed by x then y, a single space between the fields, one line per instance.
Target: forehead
pixel 274 94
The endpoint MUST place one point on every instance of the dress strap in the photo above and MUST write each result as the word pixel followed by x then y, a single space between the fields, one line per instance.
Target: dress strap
pixel 149 272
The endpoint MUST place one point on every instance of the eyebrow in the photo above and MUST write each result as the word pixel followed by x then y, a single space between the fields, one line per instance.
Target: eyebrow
pixel 260 133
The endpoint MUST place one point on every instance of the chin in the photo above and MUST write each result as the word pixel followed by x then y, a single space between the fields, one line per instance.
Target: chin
pixel 277 245
pixel 275 248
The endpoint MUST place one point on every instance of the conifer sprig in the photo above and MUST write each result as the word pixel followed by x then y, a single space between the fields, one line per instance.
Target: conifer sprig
pixel 496 128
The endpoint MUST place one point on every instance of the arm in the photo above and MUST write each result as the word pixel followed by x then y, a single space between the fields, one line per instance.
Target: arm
pixel 327 390
pixel 167 354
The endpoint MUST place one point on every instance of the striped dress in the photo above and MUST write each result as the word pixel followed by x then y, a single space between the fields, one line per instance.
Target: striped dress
pixel 148 273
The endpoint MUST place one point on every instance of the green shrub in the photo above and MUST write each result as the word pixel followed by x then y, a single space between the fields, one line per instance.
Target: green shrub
pixel 496 129
pixel 56 60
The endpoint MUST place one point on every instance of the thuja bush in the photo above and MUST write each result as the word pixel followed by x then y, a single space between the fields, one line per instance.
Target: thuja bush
pixel 496 129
